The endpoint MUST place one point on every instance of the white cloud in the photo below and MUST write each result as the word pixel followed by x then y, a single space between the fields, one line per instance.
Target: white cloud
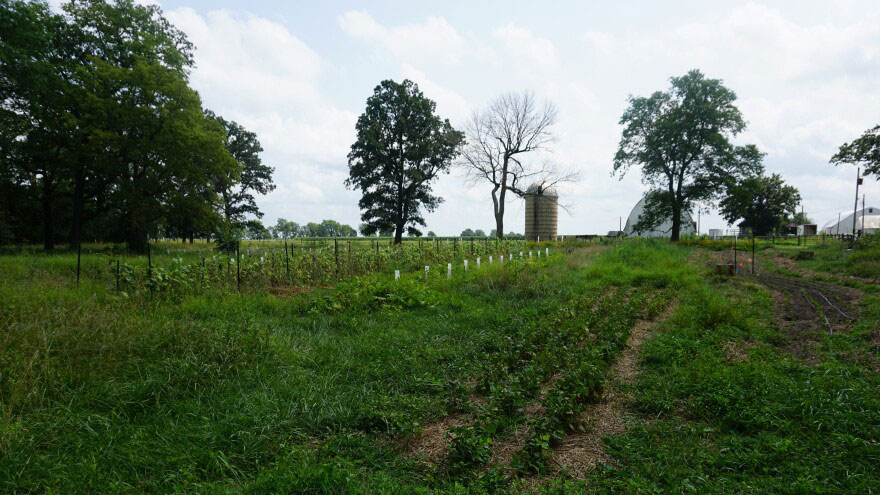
pixel 255 71
pixel 524 51
pixel 434 39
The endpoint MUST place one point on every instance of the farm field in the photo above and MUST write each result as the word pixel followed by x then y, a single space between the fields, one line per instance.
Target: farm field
pixel 613 368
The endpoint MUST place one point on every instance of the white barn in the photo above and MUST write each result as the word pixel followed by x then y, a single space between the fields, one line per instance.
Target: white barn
pixel 664 229
pixel 870 216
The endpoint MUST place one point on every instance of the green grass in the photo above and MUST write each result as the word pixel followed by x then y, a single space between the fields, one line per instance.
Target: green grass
pixel 219 392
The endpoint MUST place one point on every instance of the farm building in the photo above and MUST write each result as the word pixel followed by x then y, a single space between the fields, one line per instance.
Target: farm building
pixel 869 217
pixel 542 212
pixel 688 226
pixel 807 229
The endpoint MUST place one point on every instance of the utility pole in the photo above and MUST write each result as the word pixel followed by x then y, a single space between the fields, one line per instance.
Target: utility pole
pixel 863 213
pixel 856 205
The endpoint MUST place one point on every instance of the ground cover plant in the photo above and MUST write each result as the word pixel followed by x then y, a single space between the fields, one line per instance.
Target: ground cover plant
pixel 432 385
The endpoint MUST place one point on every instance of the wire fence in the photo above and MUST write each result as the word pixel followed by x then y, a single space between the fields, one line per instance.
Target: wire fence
pixel 171 268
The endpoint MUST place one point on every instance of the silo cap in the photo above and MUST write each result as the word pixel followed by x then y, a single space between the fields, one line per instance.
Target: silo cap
pixel 540 189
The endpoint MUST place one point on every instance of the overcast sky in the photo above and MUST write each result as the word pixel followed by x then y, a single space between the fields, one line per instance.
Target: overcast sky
pixel 807 75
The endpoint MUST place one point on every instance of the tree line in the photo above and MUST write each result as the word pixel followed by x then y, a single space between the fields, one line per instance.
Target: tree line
pixel 101 136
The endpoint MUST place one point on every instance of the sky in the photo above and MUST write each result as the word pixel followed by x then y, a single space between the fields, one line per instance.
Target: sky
pixel 807 77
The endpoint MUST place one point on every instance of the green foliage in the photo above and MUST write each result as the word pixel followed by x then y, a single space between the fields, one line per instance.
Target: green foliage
pixel 228 239
pixel 762 203
pixel 103 134
pixel 210 391
pixel 864 151
pixel 401 149
pixel 681 140
pixel 236 187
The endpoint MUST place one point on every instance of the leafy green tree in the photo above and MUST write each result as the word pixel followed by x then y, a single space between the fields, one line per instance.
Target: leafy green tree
pixel 431 234
pixel 800 218
pixel 286 229
pixel 479 233
pixel 37 127
pixel 236 190
pixel 255 230
pixel 401 148
pixel 681 140
pixel 864 151
pixel 467 233
pixel 153 146
pixel 761 204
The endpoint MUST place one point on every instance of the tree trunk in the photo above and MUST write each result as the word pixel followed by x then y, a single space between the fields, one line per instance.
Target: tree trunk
pixel 48 220
pixel 676 222
pixel 498 202
pixel 78 193
pixel 398 234
pixel 136 239
pixel 499 225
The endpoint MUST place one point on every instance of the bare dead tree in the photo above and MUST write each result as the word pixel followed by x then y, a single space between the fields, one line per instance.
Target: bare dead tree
pixel 498 141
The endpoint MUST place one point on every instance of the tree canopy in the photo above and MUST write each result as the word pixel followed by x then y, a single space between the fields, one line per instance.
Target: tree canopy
pixel 762 204
pixel 402 147
pixel 864 151
pixel 101 136
pixel 680 138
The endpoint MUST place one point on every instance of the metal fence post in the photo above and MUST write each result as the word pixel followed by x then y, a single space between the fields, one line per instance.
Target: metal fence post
pixel 78 255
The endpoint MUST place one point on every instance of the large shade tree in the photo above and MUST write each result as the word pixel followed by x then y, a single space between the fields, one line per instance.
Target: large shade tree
pixel 402 147
pixel 761 204
pixel 38 123
pixel 681 140
pixel 99 123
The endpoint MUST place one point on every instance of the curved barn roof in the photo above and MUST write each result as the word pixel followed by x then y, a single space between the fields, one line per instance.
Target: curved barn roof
pixel 662 230
pixel 845 225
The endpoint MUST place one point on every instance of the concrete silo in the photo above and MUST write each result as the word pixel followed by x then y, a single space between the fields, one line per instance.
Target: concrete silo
pixel 542 212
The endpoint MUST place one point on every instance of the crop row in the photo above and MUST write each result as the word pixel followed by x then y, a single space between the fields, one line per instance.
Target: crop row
pixel 559 364
pixel 262 268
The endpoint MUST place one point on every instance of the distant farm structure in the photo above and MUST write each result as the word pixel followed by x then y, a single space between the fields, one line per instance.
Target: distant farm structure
pixel 542 212
pixel 664 229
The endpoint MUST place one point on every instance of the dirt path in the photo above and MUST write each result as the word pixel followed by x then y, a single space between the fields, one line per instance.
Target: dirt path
pixel 579 453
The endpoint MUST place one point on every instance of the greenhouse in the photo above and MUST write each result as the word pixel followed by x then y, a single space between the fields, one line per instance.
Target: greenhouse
pixel 664 229
pixel 866 218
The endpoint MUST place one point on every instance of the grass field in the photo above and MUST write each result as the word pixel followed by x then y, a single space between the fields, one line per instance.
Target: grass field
pixel 483 383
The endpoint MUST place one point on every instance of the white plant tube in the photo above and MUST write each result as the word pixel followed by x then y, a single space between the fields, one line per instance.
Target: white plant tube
pixel 478 262
pixel 490 260
pixel 396 274
pixel 546 251
pixel 448 270
pixel 465 265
